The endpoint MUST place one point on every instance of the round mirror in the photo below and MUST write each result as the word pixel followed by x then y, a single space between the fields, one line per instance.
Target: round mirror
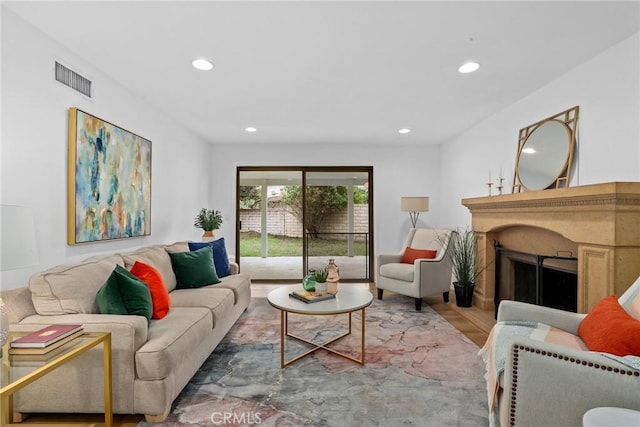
pixel 544 155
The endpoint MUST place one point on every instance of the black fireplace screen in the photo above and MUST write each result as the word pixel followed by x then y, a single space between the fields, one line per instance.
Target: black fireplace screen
pixel 547 280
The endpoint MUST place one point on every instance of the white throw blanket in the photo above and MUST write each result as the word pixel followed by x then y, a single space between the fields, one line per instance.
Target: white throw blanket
pixel 494 352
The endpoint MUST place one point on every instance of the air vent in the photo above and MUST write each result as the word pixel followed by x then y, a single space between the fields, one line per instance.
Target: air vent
pixel 72 79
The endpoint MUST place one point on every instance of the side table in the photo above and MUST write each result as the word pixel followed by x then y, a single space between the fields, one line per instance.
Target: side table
pixel 13 379
pixel 611 416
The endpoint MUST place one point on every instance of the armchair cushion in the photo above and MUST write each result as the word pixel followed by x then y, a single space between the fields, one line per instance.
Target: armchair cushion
pixel 399 271
pixel 411 254
pixel 610 329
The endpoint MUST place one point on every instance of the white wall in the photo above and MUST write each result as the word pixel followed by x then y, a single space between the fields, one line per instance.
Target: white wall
pixel 397 171
pixel 34 148
pixel 607 89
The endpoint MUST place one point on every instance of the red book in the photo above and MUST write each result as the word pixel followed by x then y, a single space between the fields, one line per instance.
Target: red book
pixel 45 336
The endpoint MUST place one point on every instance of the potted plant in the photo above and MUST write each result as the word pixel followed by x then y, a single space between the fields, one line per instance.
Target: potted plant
pixel 208 220
pixel 320 277
pixel 464 264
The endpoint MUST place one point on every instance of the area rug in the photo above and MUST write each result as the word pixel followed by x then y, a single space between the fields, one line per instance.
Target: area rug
pixel 419 371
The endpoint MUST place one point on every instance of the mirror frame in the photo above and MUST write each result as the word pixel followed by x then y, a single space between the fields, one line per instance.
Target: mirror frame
pixel 569 118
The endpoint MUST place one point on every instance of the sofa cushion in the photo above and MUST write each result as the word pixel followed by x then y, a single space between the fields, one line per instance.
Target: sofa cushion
pixel 194 269
pixel 153 279
pixel 410 254
pixel 240 284
pixel 170 341
pixel 71 288
pixel 177 247
pixel 398 271
pixel 219 301
pixel 610 329
pixel 158 258
pixel 220 257
pixel 124 293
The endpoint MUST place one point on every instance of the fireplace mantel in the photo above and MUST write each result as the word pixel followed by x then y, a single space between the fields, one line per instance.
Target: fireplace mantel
pixel 602 219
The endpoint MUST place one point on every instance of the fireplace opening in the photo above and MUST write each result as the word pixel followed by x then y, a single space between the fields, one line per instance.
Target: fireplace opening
pixel 547 280
pixel 557 289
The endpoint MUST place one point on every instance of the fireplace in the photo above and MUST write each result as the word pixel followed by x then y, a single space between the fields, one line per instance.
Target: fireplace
pixel 547 280
pixel 598 224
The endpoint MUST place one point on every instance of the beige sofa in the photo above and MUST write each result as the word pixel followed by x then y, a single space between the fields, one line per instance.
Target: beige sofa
pixel 152 360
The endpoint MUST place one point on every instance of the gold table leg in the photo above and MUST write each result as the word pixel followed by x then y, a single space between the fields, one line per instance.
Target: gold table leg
pixel 284 333
pixel 108 402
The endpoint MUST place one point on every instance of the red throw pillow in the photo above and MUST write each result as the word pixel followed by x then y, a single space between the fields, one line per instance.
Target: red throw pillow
pixel 159 295
pixel 610 329
pixel 410 254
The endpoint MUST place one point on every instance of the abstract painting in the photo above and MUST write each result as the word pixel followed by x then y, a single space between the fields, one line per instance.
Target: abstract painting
pixel 109 183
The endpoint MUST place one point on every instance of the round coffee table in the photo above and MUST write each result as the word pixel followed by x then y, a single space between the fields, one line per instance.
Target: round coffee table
pixel 348 300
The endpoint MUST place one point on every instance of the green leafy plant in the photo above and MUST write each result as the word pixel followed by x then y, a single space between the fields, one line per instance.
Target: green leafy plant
pixel 462 255
pixel 208 219
pixel 321 275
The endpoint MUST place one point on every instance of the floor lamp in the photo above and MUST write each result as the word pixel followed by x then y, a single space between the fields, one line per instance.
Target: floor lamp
pixel 414 205
pixel 17 250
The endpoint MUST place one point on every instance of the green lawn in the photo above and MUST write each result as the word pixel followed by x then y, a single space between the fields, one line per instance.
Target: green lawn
pixel 250 245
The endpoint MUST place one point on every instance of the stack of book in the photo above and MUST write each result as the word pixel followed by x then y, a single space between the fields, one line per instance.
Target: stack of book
pixel 46 339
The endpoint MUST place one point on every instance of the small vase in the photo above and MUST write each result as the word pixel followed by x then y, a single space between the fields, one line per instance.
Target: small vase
pixel 321 287
pixel 309 281
pixel 208 236
pixel 333 277
pixel 333 270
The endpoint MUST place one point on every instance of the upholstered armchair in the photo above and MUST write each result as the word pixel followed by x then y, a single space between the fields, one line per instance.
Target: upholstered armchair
pixel 540 371
pixel 417 277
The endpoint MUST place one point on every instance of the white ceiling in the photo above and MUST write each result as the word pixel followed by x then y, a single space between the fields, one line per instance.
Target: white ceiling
pixel 332 72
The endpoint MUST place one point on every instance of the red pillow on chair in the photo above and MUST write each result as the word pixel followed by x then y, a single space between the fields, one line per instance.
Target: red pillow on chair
pixel 411 254
pixel 610 329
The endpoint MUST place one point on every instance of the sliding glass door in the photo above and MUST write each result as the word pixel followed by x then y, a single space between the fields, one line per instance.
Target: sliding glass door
pixel 269 236
pixel 337 221
pixel 291 219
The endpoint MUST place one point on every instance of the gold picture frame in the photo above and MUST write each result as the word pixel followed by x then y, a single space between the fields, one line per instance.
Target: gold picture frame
pixel 109 181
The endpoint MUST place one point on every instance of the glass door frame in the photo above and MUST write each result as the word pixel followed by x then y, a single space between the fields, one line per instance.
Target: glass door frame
pixel 304 170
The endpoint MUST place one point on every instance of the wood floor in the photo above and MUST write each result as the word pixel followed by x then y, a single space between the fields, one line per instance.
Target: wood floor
pixel 473 323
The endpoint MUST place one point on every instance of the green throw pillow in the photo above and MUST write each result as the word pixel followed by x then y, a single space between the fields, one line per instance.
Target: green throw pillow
pixel 123 293
pixel 194 269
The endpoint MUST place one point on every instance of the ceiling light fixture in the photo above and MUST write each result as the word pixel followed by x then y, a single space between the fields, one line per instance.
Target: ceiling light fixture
pixel 250 129
pixel 202 64
pixel 404 130
pixel 468 67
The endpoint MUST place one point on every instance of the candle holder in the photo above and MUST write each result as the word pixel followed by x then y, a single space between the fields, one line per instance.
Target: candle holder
pixel 500 186
pixel 489 184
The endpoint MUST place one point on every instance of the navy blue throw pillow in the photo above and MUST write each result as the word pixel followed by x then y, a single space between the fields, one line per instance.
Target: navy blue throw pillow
pixel 220 257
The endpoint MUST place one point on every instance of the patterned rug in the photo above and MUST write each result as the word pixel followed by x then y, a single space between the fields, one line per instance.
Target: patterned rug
pixel 420 371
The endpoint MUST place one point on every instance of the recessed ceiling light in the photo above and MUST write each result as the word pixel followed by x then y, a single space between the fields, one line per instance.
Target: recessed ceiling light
pixel 404 130
pixel 202 64
pixel 250 129
pixel 469 67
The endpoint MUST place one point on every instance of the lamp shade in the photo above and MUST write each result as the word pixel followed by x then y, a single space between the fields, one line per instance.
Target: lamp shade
pixel 18 235
pixel 414 204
